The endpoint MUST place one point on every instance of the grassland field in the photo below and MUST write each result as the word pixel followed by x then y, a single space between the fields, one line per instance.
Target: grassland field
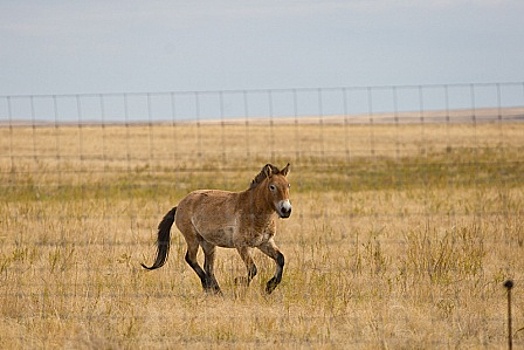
pixel 401 237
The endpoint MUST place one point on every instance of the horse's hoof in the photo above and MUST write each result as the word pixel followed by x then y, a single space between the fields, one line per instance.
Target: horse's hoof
pixel 271 285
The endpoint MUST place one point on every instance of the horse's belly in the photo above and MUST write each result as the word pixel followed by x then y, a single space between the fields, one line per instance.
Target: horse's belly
pixel 222 237
pixel 231 237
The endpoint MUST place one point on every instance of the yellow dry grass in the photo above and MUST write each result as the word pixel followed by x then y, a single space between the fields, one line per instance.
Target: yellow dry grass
pixel 401 236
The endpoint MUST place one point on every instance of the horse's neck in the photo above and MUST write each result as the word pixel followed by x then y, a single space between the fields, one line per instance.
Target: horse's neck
pixel 255 203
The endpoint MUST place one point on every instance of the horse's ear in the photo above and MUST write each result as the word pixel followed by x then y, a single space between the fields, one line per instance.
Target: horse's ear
pixel 285 171
pixel 267 170
pixel 270 170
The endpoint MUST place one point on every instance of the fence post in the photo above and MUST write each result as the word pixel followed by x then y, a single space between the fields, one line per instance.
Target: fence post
pixel 508 285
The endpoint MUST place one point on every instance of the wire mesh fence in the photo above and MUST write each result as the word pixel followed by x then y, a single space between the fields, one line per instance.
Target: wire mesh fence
pixel 408 209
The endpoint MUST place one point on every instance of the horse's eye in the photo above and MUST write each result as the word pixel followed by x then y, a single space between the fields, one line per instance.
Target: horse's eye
pixel 272 188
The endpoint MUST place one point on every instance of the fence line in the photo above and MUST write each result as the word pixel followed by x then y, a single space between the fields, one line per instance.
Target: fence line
pixel 149 107
pixel 346 107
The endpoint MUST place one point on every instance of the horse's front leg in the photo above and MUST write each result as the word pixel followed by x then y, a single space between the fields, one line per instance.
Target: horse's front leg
pixel 270 249
pixel 246 253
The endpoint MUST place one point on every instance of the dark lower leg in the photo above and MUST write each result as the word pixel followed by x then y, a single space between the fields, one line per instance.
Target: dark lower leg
pixel 275 281
pixel 204 279
pixel 271 250
pixel 209 264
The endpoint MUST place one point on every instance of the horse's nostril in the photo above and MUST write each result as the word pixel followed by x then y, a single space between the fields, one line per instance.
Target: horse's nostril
pixel 285 212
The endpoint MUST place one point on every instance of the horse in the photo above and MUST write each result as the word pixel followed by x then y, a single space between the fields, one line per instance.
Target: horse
pixel 241 220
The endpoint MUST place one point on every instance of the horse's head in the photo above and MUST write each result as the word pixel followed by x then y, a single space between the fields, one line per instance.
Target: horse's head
pixel 278 189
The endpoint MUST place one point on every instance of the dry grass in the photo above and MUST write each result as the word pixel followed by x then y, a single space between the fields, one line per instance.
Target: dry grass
pixel 401 236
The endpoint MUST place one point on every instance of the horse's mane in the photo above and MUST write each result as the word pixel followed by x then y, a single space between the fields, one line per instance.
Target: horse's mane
pixel 267 171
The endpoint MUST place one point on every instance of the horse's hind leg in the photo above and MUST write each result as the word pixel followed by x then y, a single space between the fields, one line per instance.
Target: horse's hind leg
pixel 191 259
pixel 246 253
pixel 270 249
pixel 209 264
pixel 194 241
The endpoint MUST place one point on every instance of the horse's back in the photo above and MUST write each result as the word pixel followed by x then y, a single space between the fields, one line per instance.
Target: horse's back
pixel 204 200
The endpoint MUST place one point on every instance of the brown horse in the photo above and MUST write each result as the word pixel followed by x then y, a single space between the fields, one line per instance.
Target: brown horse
pixel 241 220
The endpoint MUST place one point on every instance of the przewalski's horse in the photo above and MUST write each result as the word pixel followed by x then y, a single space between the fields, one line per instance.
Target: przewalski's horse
pixel 241 220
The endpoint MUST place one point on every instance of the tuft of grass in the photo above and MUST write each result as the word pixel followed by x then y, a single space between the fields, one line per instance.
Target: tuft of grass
pixel 445 257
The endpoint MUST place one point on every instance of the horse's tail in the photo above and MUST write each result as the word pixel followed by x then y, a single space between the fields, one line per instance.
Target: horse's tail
pixel 164 240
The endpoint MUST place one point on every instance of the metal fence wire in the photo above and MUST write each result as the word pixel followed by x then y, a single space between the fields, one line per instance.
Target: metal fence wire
pixel 408 210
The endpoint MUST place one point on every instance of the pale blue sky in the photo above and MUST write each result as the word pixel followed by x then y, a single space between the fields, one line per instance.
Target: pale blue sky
pixel 69 47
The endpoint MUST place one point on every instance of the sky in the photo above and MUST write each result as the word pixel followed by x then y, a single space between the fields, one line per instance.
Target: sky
pixel 76 47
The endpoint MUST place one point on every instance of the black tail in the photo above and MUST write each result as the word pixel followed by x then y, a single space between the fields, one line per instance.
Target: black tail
pixel 164 240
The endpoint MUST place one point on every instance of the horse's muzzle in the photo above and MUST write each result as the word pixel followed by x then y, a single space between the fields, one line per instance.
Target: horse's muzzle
pixel 285 215
pixel 284 209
